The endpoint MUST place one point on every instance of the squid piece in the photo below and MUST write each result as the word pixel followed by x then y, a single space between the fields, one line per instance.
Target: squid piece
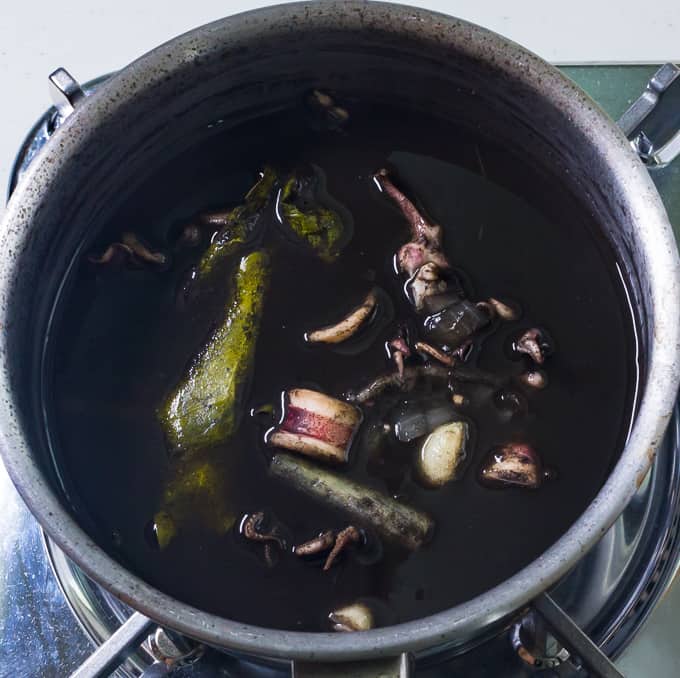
pixel 504 311
pixel 319 544
pixel 238 227
pixel 354 617
pixel 299 209
pixel 534 344
pixel 316 425
pixel 348 326
pixel 195 493
pixel 414 255
pixel 253 528
pixel 422 259
pixel 443 453
pixel 116 252
pixel 423 233
pixel 513 465
pixel 350 535
pixel 451 320
pixel 398 351
pixel 205 407
pixel 413 374
pixel 261 528
pixel 404 382
pixel 329 540
pixel 131 250
pixel 435 353
pixel 325 102
pixel 393 520
pixel 142 252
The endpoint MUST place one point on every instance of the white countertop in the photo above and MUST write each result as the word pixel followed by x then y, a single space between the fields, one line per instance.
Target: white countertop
pixel 92 37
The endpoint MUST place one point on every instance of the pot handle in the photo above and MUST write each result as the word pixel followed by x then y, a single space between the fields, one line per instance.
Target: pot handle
pixel 167 649
pixel 388 667
pixel 651 122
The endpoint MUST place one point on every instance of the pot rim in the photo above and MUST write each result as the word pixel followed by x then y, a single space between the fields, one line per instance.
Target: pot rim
pixel 656 406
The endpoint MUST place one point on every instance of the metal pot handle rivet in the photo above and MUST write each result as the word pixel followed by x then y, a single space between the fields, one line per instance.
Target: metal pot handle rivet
pixel 575 644
pixel 65 91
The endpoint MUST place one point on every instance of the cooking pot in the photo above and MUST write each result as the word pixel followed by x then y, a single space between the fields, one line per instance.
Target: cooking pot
pixel 258 62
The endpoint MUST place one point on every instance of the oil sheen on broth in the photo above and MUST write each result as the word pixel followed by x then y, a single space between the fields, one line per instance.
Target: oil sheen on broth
pixel 509 231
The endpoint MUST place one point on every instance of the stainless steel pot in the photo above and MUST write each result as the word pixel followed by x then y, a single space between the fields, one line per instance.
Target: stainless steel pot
pixel 256 62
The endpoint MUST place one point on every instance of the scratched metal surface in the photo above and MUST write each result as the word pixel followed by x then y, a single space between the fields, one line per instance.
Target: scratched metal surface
pixel 39 638
pixel 38 635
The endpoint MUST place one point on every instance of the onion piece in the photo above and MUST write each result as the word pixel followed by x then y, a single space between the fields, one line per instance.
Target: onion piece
pixel 442 453
pixel 416 418
pixel 454 324
pixel 348 326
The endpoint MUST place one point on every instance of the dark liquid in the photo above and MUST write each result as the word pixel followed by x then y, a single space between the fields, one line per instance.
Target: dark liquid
pixel 123 344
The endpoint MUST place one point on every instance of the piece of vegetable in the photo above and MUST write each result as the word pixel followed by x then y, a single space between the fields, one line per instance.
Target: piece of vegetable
pixel 312 222
pixel 354 617
pixel 416 418
pixel 316 425
pixel 513 464
pixel 427 282
pixel 454 324
pixel 438 302
pixel 194 494
pixel 393 520
pixel 442 453
pixel 205 407
pixel 238 226
pixel 348 326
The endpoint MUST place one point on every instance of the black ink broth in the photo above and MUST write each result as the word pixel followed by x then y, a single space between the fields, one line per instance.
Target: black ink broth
pixel 512 230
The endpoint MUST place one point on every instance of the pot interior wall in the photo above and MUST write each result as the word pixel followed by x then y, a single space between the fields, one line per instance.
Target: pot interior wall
pixel 230 84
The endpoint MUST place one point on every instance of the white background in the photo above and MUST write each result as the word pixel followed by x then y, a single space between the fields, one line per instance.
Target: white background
pixel 91 37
